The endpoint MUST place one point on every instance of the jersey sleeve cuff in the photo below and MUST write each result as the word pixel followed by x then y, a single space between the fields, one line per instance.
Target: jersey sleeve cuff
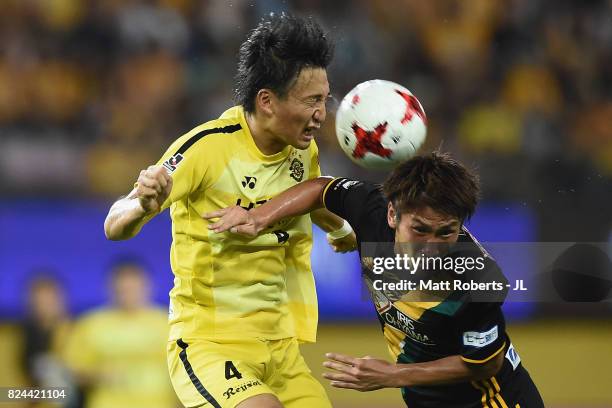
pixel 327 188
pixel 471 361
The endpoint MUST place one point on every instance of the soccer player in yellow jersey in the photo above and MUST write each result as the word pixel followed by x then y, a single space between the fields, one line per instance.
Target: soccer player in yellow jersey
pixel 116 352
pixel 239 306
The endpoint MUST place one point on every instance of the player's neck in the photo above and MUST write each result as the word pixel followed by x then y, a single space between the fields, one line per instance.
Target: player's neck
pixel 265 140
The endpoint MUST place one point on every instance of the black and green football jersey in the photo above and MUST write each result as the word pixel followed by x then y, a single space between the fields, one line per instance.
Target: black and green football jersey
pixel 454 323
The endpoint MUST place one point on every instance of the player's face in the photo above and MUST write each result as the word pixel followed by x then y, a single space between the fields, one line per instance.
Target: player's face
pixel 299 114
pixel 424 226
pixel 46 302
pixel 131 290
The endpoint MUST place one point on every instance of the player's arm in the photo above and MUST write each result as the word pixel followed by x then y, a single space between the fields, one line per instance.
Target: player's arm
pixel 297 200
pixel 180 171
pixel 340 234
pixel 348 199
pixel 326 220
pixel 368 374
pixel 483 340
pixel 128 215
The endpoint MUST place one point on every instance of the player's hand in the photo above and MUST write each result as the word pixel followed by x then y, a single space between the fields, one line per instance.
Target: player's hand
pixel 235 219
pixel 344 244
pixel 361 374
pixel 154 187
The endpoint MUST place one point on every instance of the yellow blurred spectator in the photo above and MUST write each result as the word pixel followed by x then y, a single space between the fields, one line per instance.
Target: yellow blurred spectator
pixel 182 6
pixel 13 98
pixel 60 90
pixel 592 133
pixel 61 15
pixel 111 167
pixel 147 87
pixel 151 80
pixel 490 128
pixel 118 352
pixel 532 87
pixel 455 35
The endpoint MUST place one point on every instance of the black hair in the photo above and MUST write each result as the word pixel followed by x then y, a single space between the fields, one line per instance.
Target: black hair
pixel 45 277
pixel 435 180
pixel 275 53
pixel 129 264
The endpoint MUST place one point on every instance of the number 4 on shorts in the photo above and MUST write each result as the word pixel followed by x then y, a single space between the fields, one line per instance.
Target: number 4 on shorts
pixel 231 371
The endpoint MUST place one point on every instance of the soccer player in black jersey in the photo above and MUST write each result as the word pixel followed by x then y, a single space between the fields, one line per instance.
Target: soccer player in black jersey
pixel 451 354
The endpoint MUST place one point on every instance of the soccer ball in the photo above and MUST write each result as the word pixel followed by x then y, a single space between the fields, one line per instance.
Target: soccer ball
pixel 379 124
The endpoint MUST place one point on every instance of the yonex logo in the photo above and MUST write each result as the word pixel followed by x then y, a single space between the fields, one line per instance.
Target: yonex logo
pixel 249 181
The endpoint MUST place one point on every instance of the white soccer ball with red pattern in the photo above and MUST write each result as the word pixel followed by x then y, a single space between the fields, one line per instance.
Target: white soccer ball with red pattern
pixel 380 124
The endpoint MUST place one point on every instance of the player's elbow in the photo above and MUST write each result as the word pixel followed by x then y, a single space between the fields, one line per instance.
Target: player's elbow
pixel 487 370
pixel 109 236
pixel 109 232
pixel 112 232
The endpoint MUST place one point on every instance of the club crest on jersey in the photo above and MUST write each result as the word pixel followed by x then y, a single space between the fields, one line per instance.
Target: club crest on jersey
pixel 297 170
pixel 172 163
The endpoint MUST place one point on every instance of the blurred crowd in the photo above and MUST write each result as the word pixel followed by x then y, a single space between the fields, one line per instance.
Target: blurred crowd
pixel 93 91
pixel 111 356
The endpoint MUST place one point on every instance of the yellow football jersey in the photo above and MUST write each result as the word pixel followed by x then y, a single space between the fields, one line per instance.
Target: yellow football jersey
pixel 124 353
pixel 227 286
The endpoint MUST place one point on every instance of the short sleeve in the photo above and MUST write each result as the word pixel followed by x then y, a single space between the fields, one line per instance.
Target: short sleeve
pixel 353 200
pixel 186 161
pixel 482 330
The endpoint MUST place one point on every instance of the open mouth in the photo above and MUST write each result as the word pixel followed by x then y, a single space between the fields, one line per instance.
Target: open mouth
pixel 309 132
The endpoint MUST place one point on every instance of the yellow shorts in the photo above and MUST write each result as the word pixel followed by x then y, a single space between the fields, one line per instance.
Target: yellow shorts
pixel 223 374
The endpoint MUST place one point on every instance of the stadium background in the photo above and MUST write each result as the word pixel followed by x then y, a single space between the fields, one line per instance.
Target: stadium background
pixel 93 91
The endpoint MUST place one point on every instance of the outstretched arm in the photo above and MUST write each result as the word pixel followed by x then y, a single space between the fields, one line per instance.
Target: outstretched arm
pixel 128 215
pixel 368 374
pixel 298 200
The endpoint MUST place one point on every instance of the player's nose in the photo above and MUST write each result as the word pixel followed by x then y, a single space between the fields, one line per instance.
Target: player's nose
pixel 320 114
pixel 436 246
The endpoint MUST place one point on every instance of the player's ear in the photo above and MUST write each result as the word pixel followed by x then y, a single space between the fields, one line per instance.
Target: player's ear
pixel 391 216
pixel 263 100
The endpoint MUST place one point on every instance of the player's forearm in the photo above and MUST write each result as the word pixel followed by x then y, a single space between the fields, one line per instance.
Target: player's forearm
pixel 125 219
pixel 326 220
pixel 446 370
pixel 298 200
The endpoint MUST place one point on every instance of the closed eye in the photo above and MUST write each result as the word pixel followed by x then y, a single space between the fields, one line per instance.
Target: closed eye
pixel 420 230
pixel 317 99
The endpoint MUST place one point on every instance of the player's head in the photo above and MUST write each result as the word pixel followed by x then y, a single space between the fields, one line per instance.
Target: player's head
pixel 45 297
pixel 429 198
pixel 130 284
pixel 282 77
